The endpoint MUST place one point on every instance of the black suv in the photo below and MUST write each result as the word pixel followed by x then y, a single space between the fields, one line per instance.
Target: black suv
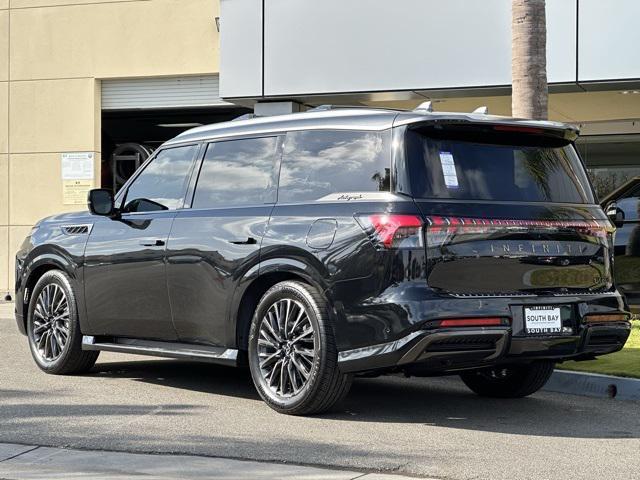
pixel 321 245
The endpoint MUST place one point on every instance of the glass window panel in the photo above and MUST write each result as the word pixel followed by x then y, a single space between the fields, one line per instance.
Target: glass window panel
pixel 163 183
pixel 237 172
pixel 320 163
pixel 500 169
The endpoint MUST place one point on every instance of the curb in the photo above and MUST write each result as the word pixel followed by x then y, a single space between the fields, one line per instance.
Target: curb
pixel 32 462
pixel 593 385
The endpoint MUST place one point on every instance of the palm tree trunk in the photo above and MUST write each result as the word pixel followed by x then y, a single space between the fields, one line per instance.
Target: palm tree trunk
pixel 529 59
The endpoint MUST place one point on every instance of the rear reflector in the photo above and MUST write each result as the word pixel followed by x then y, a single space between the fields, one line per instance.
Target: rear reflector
pixel 393 231
pixel 473 322
pixel 606 317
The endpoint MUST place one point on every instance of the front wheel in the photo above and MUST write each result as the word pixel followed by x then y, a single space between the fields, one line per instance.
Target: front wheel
pixel 292 352
pixel 513 381
pixel 53 327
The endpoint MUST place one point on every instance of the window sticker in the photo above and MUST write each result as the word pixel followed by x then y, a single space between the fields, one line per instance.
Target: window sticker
pixel 449 170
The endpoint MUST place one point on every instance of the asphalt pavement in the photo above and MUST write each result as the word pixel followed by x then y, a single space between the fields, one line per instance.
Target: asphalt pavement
pixel 422 427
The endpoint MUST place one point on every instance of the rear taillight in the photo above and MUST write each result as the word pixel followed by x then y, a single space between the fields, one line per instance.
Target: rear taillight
pixel 393 230
pixel 606 317
pixel 474 322
pixel 442 230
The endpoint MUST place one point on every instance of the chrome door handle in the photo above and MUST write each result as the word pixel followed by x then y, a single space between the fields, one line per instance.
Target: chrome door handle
pixel 248 241
pixel 152 243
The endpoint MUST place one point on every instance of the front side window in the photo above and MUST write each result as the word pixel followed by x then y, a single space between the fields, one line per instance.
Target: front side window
pixel 163 183
pixel 236 173
pixel 494 166
pixel 323 164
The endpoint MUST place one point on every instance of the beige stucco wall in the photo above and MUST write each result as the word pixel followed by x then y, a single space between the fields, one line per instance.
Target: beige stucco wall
pixel 4 134
pixel 563 107
pixel 4 44
pixel 53 54
pixel 114 39
pixel 4 117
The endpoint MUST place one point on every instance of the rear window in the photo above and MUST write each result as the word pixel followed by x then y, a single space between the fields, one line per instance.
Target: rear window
pixel 492 166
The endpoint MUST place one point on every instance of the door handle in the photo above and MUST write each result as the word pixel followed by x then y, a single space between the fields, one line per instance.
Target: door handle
pixel 248 241
pixel 152 243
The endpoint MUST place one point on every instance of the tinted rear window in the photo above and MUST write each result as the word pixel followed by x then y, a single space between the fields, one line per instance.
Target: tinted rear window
pixel 494 167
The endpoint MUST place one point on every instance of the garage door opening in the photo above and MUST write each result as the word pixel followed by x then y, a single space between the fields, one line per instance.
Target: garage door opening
pixel 140 114
pixel 129 137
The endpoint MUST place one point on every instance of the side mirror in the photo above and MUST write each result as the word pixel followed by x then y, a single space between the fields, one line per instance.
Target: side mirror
pixel 100 202
pixel 615 214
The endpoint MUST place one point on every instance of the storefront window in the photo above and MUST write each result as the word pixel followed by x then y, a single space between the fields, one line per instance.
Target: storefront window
pixel 612 160
pixel 607 179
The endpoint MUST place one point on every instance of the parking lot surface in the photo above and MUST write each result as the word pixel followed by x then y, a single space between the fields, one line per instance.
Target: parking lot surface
pixel 422 427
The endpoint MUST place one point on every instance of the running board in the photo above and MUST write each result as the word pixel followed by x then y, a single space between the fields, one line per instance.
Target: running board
pixel 220 355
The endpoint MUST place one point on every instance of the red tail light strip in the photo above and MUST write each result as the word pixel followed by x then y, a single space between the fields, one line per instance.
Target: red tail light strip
pixel 479 225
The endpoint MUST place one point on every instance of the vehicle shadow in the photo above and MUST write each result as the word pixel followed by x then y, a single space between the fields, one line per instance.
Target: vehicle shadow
pixel 447 402
pixel 443 402
pixel 194 376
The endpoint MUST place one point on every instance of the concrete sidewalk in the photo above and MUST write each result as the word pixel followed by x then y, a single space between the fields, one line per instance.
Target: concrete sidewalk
pixel 33 462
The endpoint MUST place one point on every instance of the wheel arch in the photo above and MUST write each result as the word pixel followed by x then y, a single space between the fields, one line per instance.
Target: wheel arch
pixel 270 274
pixel 36 268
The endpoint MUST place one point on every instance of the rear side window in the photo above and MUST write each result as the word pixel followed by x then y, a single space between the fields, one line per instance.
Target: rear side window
pixel 236 173
pixel 326 164
pixel 495 167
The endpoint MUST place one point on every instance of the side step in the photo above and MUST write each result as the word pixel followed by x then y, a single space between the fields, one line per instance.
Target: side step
pixel 219 355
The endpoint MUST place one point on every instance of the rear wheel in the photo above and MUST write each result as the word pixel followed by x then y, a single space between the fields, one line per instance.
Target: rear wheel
pixel 53 328
pixel 292 351
pixel 509 381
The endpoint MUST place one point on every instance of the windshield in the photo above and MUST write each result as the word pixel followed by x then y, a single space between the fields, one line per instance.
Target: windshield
pixel 494 166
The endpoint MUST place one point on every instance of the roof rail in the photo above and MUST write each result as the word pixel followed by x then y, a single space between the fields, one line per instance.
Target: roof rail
pixel 326 107
pixel 246 116
pixel 322 108
pixel 483 110
pixel 426 106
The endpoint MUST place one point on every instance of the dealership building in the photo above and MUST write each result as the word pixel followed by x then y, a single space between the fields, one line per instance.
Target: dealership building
pixel 88 88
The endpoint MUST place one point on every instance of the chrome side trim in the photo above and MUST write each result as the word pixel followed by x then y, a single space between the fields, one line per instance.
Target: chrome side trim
pixel 523 295
pixel 613 294
pixel 379 349
pixel 222 355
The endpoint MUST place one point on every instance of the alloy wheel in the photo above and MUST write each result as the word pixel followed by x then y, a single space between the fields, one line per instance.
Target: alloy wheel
pixel 51 323
pixel 286 347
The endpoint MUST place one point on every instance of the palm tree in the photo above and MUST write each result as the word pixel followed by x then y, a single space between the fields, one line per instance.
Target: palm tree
pixel 529 98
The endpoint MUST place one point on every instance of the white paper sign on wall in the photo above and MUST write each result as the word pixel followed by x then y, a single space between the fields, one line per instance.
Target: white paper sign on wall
pixel 77 177
pixel 77 166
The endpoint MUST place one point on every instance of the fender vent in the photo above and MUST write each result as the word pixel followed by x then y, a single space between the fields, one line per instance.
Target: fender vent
pixel 76 229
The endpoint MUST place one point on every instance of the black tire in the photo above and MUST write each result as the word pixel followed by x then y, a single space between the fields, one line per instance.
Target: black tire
pixel 70 358
pixel 325 385
pixel 510 381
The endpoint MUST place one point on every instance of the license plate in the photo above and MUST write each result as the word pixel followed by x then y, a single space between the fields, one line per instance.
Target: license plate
pixel 542 320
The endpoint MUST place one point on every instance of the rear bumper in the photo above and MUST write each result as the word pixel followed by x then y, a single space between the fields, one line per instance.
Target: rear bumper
pixel 453 349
